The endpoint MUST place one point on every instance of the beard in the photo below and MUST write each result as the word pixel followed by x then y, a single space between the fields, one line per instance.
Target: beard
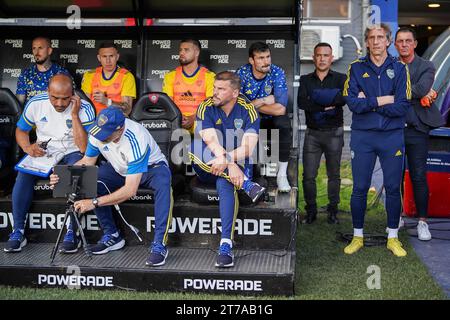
pixel 185 62
pixel 220 103
pixel 263 69
pixel 41 61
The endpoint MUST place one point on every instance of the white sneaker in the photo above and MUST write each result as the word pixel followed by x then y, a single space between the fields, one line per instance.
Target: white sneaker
pixel 283 184
pixel 401 224
pixel 422 231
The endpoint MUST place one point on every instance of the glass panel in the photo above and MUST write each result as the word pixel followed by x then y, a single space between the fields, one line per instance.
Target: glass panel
pixel 335 9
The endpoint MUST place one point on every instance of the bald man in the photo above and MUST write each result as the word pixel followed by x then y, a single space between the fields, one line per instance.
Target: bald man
pixel 61 119
pixel 34 80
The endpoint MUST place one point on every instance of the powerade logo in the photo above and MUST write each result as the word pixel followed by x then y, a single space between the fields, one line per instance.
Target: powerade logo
pixel 44 221
pixel 74 280
pixel 240 44
pixel 15 43
pixel 155 125
pixel 163 44
pixel 125 44
pixel 160 73
pixel 221 58
pixel 15 73
pixel 248 227
pixel 175 57
pixel 55 43
pixel 279 43
pixel 81 71
pixel 204 44
pixel 71 58
pixel 90 43
pixel 222 285
pixel 28 56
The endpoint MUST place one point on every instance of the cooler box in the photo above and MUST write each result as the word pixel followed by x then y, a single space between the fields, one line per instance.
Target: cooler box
pixel 438 177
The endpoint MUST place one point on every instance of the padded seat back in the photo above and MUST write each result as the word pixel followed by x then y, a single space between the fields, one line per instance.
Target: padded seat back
pixel 10 111
pixel 160 115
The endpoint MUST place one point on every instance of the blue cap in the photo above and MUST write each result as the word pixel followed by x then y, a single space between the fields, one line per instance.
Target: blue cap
pixel 108 121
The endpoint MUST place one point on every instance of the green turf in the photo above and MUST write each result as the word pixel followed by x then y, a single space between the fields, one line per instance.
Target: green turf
pixel 323 271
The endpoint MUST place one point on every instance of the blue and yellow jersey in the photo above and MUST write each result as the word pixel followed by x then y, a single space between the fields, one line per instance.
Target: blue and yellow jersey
pixel 243 119
pixel 391 78
pixel 274 83
pixel 33 82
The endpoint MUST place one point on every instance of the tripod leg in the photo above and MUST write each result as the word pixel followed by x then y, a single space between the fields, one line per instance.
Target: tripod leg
pixel 83 238
pixel 55 248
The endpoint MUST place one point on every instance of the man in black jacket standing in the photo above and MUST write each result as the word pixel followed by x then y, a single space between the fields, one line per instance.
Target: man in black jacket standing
pixel 420 119
pixel 320 95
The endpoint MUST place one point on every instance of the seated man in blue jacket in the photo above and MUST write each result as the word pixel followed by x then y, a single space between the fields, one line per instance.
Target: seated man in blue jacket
pixel 377 91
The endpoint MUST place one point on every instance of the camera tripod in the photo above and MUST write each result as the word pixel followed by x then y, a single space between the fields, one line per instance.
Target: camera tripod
pixel 70 212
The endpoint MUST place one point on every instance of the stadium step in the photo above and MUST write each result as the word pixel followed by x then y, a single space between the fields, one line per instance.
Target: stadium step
pixel 256 272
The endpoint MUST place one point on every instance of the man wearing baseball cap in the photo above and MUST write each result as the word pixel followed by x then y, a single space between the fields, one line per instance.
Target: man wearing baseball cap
pixel 133 160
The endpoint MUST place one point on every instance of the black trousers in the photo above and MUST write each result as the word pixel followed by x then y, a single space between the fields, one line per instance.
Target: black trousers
pixel 283 124
pixel 416 147
pixel 330 143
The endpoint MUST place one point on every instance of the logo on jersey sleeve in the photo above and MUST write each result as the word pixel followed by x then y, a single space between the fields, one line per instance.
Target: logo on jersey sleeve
pixel 268 89
pixel 69 123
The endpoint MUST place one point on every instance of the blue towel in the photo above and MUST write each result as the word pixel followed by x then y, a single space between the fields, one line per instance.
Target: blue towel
pixel 324 97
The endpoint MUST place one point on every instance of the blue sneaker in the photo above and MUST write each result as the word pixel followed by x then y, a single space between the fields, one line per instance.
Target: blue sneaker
pixel 158 255
pixel 253 190
pixel 108 243
pixel 226 257
pixel 71 242
pixel 15 242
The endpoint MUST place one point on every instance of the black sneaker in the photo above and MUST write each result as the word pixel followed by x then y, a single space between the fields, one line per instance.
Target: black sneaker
pixel 226 257
pixel 15 242
pixel 158 255
pixel 71 243
pixel 108 243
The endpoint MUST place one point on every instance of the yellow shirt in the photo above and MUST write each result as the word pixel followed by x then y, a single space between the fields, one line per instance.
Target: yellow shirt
pixel 128 89
pixel 169 78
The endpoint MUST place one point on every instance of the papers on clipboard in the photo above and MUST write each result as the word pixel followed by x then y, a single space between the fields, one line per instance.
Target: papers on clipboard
pixel 39 166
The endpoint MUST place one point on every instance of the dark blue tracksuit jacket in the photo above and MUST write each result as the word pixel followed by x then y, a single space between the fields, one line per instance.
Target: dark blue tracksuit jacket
pixel 377 131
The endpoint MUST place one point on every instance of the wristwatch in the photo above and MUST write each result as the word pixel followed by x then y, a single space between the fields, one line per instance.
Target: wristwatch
pixel 95 202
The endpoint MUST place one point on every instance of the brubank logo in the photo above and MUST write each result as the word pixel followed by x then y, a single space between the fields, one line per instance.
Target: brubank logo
pixel 213 198
pixel 155 125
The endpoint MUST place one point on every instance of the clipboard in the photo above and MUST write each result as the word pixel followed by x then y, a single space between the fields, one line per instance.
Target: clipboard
pixel 40 166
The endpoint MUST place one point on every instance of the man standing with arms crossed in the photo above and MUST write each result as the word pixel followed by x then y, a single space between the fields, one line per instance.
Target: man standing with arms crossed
pixel 420 119
pixel 320 95
pixel 377 91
